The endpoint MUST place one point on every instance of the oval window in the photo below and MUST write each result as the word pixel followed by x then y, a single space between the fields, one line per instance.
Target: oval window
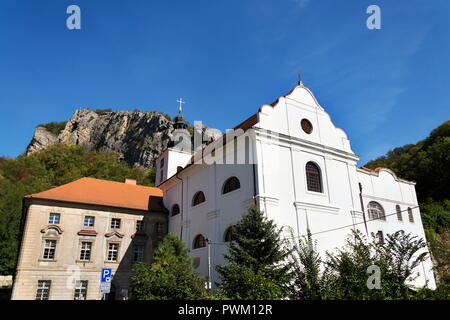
pixel 307 126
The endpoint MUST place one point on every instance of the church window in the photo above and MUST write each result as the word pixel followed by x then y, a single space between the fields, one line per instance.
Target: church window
pixel 399 213
pixel 175 209
pixel 376 211
pixel 230 185
pixel 306 126
pixel 380 237
pixel 230 234
pixel 313 177
pixel 199 197
pixel 199 241
pixel 410 215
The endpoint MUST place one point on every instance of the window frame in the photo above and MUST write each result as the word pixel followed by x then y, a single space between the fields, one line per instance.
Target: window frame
pixel 142 254
pixel 86 251
pixel 399 213
pixel 196 242
pixel 227 182
pixel 371 209
pixel 80 288
pixel 50 249
pixel 52 221
pixel 115 220
pixel 171 211
pixel 309 176
pixel 41 290
pixel 410 215
pixel 194 198
pixel 88 219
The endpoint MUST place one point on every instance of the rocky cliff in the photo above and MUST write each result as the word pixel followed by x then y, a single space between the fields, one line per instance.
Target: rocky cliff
pixel 137 137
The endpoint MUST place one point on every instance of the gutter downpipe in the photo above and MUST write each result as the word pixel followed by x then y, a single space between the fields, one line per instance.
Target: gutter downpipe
pixel 182 205
pixel 362 207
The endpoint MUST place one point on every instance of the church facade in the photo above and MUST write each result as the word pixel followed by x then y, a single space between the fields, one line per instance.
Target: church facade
pixel 291 161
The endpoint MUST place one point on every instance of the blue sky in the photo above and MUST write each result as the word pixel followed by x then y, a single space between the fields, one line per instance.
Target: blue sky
pixel 385 87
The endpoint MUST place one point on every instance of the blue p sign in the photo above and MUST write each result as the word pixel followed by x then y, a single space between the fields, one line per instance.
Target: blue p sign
pixel 106 275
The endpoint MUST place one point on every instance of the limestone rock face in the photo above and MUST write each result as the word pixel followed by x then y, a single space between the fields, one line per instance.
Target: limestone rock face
pixel 137 137
pixel 41 139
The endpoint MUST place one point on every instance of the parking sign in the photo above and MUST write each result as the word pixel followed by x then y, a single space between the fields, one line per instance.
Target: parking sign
pixel 106 275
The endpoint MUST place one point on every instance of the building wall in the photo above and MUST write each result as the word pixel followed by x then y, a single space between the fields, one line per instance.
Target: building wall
pixel 281 151
pixel 66 268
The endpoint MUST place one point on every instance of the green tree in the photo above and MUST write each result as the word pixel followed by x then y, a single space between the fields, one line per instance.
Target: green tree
pixel 307 283
pixel 257 267
pixel 346 271
pixel 169 277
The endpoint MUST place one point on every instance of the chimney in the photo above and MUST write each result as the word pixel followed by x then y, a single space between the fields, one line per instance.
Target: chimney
pixel 131 181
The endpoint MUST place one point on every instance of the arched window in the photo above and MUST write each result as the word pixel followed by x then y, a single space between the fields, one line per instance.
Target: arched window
pixel 198 198
pixel 175 210
pixel 376 211
pixel 399 213
pixel 199 242
pixel 230 185
pixel 313 178
pixel 230 234
pixel 410 215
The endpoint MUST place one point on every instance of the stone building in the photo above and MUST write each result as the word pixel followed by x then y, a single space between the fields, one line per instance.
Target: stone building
pixel 73 231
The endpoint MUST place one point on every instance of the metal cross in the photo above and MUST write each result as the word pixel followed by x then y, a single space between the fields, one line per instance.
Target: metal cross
pixel 181 104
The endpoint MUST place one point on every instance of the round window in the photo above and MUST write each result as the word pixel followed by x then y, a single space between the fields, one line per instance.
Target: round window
pixel 307 126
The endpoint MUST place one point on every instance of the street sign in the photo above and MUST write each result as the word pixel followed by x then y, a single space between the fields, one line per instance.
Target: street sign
pixel 106 275
pixel 105 287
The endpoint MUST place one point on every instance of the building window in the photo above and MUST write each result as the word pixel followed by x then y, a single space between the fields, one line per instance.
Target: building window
pixel 161 165
pixel 89 221
pixel 54 218
pixel 139 225
pixel 399 213
pixel 138 253
pixel 230 234
pixel 306 126
pixel 113 252
pixel 85 252
pixel 161 176
pixel 81 290
pixel 380 237
pixel 198 198
pixel 49 249
pixel 230 185
pixel 175 210
pixel 160 227
pixel 43 289
pixel 115 223
pixel 199 242
pixel 376 211
pixel 313 177
pixel 410 215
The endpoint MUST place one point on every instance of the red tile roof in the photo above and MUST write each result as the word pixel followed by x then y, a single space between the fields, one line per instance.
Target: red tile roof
pixel 106 193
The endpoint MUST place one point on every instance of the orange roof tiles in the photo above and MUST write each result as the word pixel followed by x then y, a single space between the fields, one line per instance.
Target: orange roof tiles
pixel 106 193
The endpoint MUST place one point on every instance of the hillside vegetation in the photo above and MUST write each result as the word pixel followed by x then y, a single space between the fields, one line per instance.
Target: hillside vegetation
pixel 428 163
pixel 57 165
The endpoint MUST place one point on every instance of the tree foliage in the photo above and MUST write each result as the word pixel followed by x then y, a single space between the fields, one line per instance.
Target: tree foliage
pixel 53 167
pixel 257 260
pixel 170 277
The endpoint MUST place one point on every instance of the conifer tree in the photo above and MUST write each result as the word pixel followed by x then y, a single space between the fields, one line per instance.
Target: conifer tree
pixel 257 265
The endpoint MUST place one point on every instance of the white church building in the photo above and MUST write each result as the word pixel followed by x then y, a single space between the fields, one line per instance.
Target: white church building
pixel 298 167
